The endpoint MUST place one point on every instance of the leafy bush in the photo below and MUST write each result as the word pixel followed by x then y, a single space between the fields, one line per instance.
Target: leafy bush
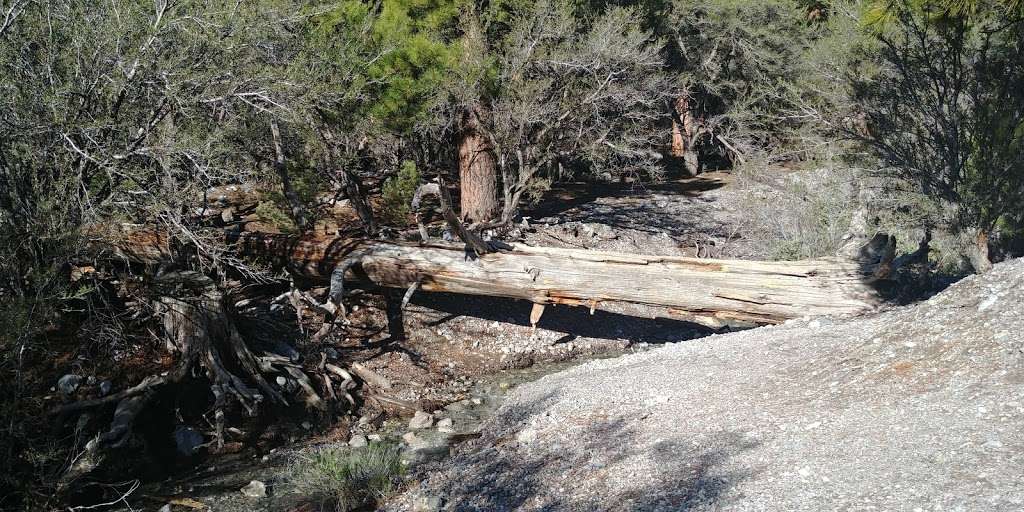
pixel 398 191
pixel 347 477
pixel 745 67
pixel 271 213
pixel 803 215
pixel 945 112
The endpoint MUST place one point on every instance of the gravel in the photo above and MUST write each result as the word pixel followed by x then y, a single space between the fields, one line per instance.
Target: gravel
pixel 915 408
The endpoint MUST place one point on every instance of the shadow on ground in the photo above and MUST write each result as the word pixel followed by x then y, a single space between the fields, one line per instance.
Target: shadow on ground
pixel 667 208
pixel 573 321
pixel 567 196
pixel 591 463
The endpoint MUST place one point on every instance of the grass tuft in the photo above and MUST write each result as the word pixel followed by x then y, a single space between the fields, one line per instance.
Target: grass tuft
pixel 347 477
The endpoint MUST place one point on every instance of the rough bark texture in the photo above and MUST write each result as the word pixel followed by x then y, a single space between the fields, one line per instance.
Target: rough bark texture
pixel 298 210
pixel 684 135
pixel 478 175
pixel 978 252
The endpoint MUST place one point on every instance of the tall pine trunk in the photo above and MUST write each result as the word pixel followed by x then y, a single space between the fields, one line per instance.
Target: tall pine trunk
pixel 977 252
pixel 684 131
pixel 478 175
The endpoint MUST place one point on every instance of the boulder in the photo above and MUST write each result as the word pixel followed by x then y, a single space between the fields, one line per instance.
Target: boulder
pixel 69 383
pixel 425 446
pixel 445 426
pixel 256 489
pixel 421 420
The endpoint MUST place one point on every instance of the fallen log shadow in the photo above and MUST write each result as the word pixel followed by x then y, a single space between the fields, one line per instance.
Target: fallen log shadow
pixel 572 321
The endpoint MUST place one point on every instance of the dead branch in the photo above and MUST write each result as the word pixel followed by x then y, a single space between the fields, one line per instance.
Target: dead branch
pixel 454 224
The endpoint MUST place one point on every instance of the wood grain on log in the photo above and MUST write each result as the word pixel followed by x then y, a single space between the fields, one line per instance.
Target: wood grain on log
pixel 746 291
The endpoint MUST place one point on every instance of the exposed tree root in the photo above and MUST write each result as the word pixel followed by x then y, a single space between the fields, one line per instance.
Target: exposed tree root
pixel 199 324
pixel 146 385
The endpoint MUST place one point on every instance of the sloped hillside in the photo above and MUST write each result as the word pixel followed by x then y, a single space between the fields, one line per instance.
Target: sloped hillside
pixel 916 408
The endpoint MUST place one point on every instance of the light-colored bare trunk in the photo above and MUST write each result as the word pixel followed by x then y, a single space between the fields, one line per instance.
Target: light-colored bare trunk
pixel 720 290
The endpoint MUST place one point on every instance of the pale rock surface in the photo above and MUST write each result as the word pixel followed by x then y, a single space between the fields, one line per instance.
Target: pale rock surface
pixel 255 489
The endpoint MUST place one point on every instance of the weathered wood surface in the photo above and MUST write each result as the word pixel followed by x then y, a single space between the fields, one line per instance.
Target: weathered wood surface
pixel 727 290
pixel 751 291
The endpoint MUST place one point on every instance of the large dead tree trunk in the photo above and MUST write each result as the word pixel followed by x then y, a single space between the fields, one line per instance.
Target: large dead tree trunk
pixel 754 291
pixel 702 289
pixel 478 174
pixel 746 291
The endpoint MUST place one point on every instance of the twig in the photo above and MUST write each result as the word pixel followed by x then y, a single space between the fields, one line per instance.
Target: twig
pixel 409 292
pixel 142 387
pixel 122 499
pixel 478 245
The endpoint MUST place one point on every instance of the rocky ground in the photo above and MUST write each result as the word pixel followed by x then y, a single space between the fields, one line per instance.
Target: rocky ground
pixel 916 408
pixel 688 217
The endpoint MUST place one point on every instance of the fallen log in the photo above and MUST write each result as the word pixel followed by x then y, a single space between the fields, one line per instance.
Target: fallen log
pixel 745 291
pixel 706 290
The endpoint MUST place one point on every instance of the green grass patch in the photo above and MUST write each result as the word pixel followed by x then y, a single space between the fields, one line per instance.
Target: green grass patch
pixel 347 477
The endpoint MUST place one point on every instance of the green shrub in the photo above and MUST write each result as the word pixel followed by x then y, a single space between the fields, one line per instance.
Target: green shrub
pixel 347 477
pixel 274 208
pixel 398 191
pixel 804 214
pixel 941 113
pixel 271 213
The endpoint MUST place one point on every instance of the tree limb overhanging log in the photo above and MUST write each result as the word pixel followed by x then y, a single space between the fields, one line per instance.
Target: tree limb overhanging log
pixel 298 210
pixel 743 291
pixel 454 224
